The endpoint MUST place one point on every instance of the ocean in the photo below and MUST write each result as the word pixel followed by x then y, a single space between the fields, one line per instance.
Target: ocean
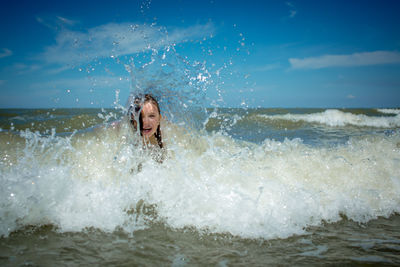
pixel 238 187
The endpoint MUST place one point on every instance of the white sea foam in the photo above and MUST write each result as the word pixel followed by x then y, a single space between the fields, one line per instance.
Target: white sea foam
pixel 389 110
pixel 211 183
pixel 19 118
pixel 334 117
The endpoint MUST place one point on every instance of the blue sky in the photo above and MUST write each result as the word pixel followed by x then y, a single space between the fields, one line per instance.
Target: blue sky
pixel 231 53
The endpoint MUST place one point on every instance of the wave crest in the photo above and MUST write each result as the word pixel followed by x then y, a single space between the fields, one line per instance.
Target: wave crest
pixel 337 118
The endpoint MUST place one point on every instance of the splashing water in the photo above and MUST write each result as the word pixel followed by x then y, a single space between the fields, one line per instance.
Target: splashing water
pixel 179 85
pixel 209 181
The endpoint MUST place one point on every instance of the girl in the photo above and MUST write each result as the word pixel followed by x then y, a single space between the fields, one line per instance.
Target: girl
pixel 145 111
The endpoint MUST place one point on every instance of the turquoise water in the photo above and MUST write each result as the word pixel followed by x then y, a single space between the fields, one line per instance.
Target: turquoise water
pixel 238 187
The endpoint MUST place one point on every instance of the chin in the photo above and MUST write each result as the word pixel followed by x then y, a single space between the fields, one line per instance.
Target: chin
pixel 148 135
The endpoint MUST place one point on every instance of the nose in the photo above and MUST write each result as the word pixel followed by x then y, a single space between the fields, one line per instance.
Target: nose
pixel 146 121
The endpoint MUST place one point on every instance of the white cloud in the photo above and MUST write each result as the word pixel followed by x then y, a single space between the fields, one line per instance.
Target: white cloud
pixel 292 11
pixel 75 47
pixel 350 96
pixel 56 22
pixel 352 60
pixel 267 67
pixel 5 53
pixel 56 70
pixel 66 21
pixel 22 68
pixel 80 85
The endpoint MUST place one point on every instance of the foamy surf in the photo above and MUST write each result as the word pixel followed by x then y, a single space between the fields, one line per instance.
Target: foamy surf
pixel 334 118
pixel 209 182
pixel 389 110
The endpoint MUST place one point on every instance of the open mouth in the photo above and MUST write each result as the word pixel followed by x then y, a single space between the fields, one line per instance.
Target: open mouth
pixel 146 131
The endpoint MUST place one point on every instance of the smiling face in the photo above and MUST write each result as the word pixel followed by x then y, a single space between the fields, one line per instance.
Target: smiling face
pixel 150 119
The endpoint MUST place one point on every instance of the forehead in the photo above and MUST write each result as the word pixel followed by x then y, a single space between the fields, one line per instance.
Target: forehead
pixel 149 107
